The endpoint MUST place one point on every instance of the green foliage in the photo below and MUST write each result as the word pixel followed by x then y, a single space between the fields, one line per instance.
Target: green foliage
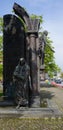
pixel 1 42
pixel 50 65
pixel 1 94
pixel 1 25
pixel 33 16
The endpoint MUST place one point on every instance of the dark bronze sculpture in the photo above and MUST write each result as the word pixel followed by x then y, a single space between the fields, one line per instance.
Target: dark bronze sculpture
pixel 42 45
pixel 21 79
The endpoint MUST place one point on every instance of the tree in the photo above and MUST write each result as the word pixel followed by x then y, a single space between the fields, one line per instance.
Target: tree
pixel 50 65
pixel 1 30
pixel 1 24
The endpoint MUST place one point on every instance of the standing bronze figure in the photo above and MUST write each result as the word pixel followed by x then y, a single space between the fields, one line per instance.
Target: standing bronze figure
pixel 42 45
pixel 21 80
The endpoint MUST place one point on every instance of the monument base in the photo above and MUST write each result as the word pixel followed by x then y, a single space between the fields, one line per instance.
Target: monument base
pixel 42 72
pixel 7 109
pixel 42 67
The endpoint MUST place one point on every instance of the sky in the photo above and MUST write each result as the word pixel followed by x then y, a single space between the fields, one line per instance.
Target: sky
pixel 52 13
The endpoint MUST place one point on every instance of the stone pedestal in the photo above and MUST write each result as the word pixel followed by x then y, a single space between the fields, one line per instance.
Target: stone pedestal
pixel 42 71
pixel 33 61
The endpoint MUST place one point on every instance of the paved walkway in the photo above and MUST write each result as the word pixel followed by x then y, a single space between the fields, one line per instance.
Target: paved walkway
pixel 55 94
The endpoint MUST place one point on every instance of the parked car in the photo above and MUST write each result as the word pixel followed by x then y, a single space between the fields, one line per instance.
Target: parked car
pixel 57 84
pixel 58 81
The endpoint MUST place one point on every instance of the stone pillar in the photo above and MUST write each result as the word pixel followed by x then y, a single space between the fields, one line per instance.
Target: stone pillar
pixel 38 66
pixel 33 28
pixel 33 62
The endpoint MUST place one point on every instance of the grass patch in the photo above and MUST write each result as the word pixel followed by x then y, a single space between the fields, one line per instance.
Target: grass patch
pixel 30 124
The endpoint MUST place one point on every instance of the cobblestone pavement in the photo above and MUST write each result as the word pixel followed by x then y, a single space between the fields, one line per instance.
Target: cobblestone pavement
pixel 54 94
